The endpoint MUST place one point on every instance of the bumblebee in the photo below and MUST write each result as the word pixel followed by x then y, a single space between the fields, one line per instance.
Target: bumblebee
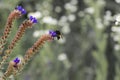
pixel 59 34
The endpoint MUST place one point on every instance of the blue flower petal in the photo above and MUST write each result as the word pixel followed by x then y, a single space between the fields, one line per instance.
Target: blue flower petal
pixel 16 60
pixel 52 33
pixel 33 19
pixel 21 9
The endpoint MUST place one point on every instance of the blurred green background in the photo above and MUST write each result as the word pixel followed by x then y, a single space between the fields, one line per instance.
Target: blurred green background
pixel 89 50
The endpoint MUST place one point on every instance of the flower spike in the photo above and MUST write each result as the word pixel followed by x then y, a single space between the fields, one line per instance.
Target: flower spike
pixel 12 68
pixel 39 43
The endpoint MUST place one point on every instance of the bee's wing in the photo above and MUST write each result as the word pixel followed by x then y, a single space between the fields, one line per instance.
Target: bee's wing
pixel 61 36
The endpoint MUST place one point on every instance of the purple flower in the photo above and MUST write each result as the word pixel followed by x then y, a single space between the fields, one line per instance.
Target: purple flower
pixel 16 60
pixel 33 19
pixel 21 9
pixel 53 33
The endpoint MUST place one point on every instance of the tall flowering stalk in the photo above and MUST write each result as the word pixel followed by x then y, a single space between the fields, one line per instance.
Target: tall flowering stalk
pixel 13 66
pixel 13 15
pixel 26 24
pixel 36 46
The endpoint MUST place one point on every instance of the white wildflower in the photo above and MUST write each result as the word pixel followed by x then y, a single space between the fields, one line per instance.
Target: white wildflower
pixel 99 23
pixel 36 34
pixel 62 57
pixel 116 29
pixel 74 2
pixel 66 29
pixel 49 20
pixel 70 7
pixel 117 1
pixel 62 40
pixel 81 14
pixel 90 10
pixel 58 9
pixel 71 17
pixel 35 14
pixel 117 47
pixel 63 21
